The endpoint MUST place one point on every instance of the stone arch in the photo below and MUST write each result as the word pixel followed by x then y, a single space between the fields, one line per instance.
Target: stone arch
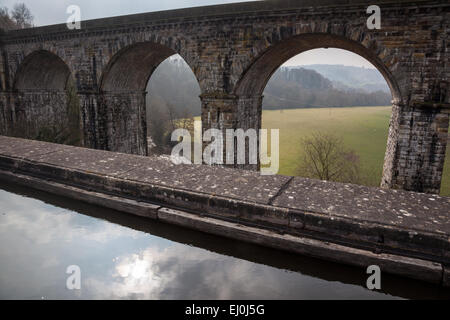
pixel 252 82
pixel 132 66
pixel 42 70
pixel 123 91
pixel 254 79
pixel 45 98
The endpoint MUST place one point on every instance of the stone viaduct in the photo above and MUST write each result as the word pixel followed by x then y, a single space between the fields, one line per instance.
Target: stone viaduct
pixel 233 50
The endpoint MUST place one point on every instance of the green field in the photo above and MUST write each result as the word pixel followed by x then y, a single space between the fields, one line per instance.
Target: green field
pixel 363 129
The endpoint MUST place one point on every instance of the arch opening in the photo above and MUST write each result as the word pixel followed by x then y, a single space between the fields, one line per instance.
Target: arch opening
pixel 256 77
pixel 327 130
pixel 42 70
pixel 131 68
pixel 169 109
pixel 47 107
pixel 141 98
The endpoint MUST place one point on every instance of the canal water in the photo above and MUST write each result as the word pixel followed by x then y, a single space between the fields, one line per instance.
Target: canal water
pixel 126 257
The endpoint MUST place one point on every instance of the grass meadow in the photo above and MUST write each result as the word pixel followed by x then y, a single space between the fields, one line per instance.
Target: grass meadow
pixel 363 129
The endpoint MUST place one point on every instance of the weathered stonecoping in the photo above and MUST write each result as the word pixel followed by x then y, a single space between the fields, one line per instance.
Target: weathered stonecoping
pixel 404 233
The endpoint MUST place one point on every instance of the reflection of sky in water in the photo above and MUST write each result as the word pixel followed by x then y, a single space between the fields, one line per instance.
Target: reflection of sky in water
pixel 39 241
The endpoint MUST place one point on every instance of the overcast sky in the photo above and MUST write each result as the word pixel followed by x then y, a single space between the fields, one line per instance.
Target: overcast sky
pixel 54 11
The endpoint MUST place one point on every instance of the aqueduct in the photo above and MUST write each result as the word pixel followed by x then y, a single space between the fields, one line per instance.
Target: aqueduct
pixel 233 50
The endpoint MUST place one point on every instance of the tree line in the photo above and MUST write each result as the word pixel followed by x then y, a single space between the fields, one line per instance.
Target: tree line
pixel 291 88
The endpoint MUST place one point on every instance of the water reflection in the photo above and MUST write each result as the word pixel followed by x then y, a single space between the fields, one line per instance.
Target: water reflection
pixel 125 257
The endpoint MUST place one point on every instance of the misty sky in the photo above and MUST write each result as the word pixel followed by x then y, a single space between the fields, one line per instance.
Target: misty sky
pixel 48 12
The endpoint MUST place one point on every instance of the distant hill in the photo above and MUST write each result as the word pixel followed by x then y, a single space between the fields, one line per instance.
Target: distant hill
pixel 300 87
pixel 302 78
pixel 342 77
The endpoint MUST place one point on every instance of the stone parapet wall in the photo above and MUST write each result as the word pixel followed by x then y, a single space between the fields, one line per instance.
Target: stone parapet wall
pixel 404 232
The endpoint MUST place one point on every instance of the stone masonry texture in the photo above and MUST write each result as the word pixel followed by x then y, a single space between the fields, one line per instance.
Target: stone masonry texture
pixel 233 50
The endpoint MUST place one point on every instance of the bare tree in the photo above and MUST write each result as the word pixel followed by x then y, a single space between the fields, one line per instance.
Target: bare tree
pixel 326 158
pixel 22 16
pixel 6 23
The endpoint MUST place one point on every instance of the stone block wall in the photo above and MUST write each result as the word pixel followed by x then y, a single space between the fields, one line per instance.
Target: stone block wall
pixel 124 120
pixel 233 50
pixel 416 151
